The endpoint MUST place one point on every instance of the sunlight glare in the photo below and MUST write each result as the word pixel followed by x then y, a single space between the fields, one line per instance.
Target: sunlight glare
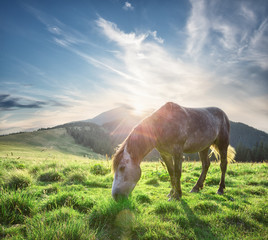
pixel 138 109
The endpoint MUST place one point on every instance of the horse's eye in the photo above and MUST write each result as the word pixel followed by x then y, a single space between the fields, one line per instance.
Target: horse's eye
pixel 122 168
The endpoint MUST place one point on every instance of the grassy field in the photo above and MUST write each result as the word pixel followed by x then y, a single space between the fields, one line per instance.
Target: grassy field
pixel 48 194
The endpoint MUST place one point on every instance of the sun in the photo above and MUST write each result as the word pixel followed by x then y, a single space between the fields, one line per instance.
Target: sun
pixel 138 109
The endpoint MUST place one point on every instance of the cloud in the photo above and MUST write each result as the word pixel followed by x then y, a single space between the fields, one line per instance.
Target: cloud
pixel 247 13
pixel 154 35
pixel 62 34
pixel 10 103
pixel 114 33
pixel 257 51
pixel 127 6
pixel 160 74
pixel 227 35
pixel 197 27
pixel 7 102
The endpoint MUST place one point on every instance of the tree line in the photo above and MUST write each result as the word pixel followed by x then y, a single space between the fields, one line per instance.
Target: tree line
pixel 258 153
pixel 92 136
pixel 99 140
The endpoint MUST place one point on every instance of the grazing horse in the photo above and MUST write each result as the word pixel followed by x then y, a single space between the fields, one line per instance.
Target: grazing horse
pixel 172 130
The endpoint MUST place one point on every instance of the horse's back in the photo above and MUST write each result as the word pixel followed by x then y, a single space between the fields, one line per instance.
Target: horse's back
pixel 196 127
pixel 196 116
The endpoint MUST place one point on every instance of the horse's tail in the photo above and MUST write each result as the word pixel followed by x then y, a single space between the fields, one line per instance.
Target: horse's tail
pixel 230 153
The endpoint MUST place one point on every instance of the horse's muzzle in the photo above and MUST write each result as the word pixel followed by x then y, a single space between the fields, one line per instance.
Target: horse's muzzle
pixel 117 195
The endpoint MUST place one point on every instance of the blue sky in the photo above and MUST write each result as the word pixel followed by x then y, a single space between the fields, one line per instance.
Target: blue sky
pixel 62 61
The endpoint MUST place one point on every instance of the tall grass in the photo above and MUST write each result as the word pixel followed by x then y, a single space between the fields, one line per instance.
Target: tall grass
pixel 61 224
pixel 18 179
pixel 15 206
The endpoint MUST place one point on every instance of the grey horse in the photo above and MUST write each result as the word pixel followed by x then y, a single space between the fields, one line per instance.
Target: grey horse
pixel 173 130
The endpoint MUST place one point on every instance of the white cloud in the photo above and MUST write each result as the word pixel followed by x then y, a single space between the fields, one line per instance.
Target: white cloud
pixel 114 33
pixel 247 13
pixel 62 33
pixel 154 35
pixel 227 35
pixel 198 28
pixel 161 75
pixel 55 30
pixel 128 6
pixel 257 51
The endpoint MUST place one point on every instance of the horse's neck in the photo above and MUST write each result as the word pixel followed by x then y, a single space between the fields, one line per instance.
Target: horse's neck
pixel 140 142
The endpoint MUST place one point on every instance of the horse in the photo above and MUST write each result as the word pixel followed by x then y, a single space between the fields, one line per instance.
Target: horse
pixel 173 130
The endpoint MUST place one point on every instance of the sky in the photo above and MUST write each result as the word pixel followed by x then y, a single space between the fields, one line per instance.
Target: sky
pixel 63 61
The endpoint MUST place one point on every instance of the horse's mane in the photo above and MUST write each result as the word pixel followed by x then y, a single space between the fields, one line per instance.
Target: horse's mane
pixel 118 156
pixel 138 143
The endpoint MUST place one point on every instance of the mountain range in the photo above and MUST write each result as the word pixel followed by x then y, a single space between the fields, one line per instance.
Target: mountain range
pixel 119 122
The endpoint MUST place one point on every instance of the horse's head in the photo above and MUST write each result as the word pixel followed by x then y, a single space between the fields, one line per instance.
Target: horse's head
pixel 126 175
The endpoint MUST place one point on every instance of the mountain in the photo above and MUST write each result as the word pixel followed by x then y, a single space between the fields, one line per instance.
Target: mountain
pixel 112 115
pixel 120 121
pixel 251 143
pixel 104 132
pixel 242 134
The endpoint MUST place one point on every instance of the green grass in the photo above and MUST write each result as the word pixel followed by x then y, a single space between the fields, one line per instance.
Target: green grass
pixel 55 195
pixel 46 140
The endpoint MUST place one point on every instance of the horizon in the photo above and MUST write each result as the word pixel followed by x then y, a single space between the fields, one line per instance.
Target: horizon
pixel 73 61
pixel 131 110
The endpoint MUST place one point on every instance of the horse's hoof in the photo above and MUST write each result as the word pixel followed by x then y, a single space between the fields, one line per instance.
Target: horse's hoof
pixel 170 193
pixel 220 192
pixel 174 199
pixel 194 190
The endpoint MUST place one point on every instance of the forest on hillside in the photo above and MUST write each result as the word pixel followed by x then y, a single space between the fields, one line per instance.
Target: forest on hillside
pixel 258 153
pixel 91 135
pixel 99 140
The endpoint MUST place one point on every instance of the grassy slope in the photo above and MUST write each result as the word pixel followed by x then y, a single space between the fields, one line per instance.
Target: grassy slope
pixel 59 196
pixel 51 139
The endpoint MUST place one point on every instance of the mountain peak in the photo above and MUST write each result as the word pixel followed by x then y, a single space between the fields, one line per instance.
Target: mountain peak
pixel 125 111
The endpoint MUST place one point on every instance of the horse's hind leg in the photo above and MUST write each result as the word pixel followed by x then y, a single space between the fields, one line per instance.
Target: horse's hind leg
pixel 205 165
pixel 223 154
pixel 178 157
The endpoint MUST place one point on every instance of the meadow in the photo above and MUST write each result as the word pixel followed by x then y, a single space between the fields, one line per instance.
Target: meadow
pixel 50 194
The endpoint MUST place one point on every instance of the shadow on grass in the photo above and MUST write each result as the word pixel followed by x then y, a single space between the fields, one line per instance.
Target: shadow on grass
pixel 201 228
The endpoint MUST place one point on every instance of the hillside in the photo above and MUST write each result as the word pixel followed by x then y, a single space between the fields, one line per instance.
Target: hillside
pixel 49 139
pixel 90 135
pixel 242 134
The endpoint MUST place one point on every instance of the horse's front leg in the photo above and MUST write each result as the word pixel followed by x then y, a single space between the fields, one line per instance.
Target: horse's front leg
pixel 177 154
pixel 167 158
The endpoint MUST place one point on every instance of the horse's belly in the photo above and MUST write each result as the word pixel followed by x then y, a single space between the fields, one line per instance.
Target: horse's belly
pixel 195 148
pixel 198 143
